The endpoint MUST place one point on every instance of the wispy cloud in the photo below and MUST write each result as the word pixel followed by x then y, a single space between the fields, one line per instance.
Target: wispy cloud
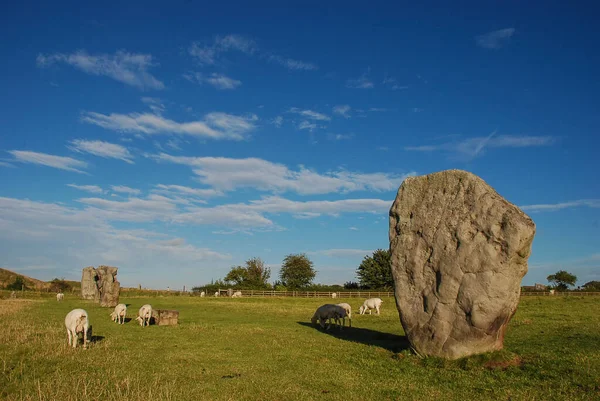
pixel 128 68
pixel 102 149
pixel 474 147
pixel 215 125
pixel 227 174
pixel 553 207
pixel 154 104
pixel 312 115
pixel 183 190
pixel 125 190
pixel 209 53
pixel 495 39
pixel 362 82
pixel 307 125
pixel 277 121
pixel 339 137
pixel 342 110
pixel 392 83
pixel 44 159
pixel 219 81
pixel 292 64
pixel 94 189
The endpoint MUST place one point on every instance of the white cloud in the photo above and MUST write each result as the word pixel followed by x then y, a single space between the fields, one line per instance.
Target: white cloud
pixel 125 190
pixel 5 164
pixel 343 110
pixel 129 68
pixel 44 159
pixel 208 54
pixel 154 104
pixel 94 189
pixel 362 82
pixel 377 109
pixel 292 64
pixel 277 121
pixel 102 149
pixel 495 39
pixel 473 147
pixel 339 137
pixel 65 239
pixel 215 125
pixel 227 174
pixel 552 207
pixel 342 253
pixel 353 228
pixel 219 81
pixel 180 189
pixel 306 125
pixel 312 115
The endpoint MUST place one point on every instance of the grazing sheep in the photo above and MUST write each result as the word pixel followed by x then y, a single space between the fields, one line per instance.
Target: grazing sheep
pixel 325 313
pixel 217 294
pixel 334 295
pixel 77 322
pixel 144 315
pixel 60 296
pixel 371 303
pixel 118 315
pixel 348 310
pixel 237 294
pixel 202 294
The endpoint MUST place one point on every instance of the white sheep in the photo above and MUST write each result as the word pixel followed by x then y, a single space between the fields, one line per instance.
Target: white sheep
pixel 118 315
pixel 217 294
pixel 371 303
pixel 237 294
pixel 77 322
pixel 325 313
pixel 144 315
pixel 348 310
pixel 334 295
pixel 60 296
pixel 202 294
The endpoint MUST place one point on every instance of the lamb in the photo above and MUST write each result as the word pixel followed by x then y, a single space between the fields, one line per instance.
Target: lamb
pixel 371 303
pixel 118 315
pixel 334 295
pixel 348 310
pixel 202 294
pixel 60 296
pixel 144 315
pixel 77 322
pixel 325 313
pixel 237 294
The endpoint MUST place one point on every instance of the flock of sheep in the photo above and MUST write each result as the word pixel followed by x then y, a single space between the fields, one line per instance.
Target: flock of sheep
pixel 336 312
pixel 77 321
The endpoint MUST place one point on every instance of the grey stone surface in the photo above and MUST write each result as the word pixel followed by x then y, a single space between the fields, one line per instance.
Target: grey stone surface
pixel 459 251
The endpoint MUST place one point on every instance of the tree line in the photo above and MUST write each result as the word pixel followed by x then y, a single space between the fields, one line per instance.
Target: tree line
pixel 298 273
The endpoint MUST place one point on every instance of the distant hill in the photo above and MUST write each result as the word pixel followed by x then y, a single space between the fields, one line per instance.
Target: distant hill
pixel 8 277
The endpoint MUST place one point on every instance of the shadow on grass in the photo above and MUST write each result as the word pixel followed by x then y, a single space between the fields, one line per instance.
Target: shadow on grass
pixel 96 339
pixel 390 342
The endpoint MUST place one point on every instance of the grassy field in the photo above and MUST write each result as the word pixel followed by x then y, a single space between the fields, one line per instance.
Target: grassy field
pixel 265 349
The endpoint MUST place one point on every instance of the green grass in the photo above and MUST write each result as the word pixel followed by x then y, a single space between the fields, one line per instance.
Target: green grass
pixel 265 349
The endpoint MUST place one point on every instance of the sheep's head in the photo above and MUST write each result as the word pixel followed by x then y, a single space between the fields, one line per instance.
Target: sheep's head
pixel 314 319
pixel 361 309
pixel 113 316
pixel 140 320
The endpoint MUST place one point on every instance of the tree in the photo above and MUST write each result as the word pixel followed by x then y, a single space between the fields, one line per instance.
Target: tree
pixel 562 279
pixel 17 285
pixel 592 286
pixel 59 285
pixel 254 275
pixel 297 271
pixel 351 285
pixel 376 271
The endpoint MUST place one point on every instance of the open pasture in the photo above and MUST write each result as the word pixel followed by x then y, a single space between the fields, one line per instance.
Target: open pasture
pixel 266 349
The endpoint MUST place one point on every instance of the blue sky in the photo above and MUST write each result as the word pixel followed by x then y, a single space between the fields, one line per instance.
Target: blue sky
pixel 176 140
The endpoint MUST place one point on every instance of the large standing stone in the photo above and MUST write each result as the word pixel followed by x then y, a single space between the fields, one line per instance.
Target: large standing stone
pixel 458 251
pixel 108 286
pixel 89 286
pixel 100 285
